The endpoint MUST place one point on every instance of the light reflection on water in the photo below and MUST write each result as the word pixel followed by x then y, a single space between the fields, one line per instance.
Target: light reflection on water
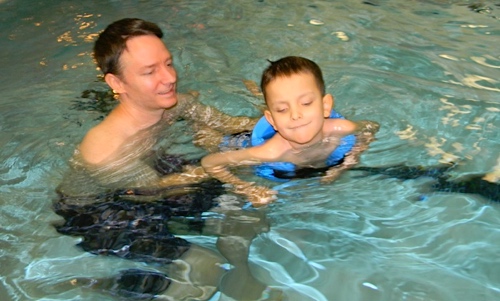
pixel 428 71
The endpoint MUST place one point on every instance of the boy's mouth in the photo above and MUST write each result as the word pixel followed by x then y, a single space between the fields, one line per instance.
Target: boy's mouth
pixel 298 126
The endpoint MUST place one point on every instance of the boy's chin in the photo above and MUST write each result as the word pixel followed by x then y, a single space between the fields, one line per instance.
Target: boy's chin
pixel 303 143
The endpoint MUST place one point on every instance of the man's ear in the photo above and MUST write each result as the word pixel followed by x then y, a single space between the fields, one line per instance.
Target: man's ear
pixel 328 102
pixel 114 82
pixel 269 118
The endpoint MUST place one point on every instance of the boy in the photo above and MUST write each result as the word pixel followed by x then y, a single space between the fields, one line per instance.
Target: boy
pixel 299 111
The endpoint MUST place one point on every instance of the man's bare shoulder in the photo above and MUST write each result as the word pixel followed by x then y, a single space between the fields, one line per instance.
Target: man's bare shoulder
pixel 100 142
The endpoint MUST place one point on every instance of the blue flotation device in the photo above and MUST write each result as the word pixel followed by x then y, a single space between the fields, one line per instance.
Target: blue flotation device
pixel 283 171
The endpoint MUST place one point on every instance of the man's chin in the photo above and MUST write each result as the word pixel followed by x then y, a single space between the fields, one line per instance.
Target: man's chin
pixel 170 102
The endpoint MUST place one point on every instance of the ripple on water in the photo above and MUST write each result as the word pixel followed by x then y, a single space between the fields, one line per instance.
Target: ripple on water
pixel 344 230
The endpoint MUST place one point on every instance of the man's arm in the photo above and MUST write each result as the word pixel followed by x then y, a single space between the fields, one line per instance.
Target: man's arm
pixel 207 116
pixel 190 175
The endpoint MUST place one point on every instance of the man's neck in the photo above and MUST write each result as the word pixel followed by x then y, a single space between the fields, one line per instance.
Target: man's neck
pixel 138 119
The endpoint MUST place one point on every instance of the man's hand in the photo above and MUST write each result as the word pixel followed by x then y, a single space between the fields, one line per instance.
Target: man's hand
pixel 208 139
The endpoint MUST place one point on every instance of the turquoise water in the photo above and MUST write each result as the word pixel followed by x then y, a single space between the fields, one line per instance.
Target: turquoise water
pixel 427 71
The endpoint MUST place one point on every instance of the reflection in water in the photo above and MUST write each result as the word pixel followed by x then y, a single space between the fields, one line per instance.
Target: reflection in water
pixel 481 82
pixel 117 225
pixel 443 179
pixel 484 61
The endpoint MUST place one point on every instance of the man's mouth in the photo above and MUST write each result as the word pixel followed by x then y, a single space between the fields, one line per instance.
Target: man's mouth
pixel 169 91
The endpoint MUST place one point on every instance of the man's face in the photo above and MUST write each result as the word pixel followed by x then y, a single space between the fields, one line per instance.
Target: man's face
pixel 148 78
pixel 297 109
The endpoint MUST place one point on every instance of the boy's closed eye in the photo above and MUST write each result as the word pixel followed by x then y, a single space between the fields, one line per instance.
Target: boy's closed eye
pixel 281 109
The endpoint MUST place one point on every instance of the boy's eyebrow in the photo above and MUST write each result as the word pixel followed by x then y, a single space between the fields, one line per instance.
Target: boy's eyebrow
pixel 281 101
pixel 306 94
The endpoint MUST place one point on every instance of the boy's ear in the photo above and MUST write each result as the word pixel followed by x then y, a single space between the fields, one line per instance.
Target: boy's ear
pixel 269 118
pixel 114 83
pixel 328 102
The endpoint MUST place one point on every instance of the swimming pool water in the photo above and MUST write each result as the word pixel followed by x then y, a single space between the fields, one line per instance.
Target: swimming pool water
pixel 427 71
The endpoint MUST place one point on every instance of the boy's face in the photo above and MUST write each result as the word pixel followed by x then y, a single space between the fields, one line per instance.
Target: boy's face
pixel 296 108
pixel 148 75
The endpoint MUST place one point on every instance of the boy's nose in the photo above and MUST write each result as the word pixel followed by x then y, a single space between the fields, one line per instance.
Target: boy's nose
pixel 295 114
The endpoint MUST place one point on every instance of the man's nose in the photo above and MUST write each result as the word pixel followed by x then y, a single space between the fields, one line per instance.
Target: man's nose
pixel 168 75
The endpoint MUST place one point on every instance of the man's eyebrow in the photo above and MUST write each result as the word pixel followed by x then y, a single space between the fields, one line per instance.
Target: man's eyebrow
pixel 148 66
pixel 169 58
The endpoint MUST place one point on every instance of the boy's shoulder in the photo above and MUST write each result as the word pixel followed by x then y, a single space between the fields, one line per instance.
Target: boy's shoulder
pixel 341 126
pixel 272 149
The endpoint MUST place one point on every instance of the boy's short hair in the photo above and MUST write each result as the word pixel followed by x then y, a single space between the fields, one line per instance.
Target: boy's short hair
pixel 288 66
pixel 112 41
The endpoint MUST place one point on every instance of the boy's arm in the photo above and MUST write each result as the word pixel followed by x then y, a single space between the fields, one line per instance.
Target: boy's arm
pixel 365 131
pixel 217 165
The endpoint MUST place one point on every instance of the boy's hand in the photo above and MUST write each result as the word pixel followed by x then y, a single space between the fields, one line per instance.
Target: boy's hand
pixel 194 172
pixel 257 195
pixel 367 127
pixel 260 196
pixel 331 175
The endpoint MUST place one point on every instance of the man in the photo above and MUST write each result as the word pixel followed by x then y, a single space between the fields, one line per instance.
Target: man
pixel 139 68
pixel 114 164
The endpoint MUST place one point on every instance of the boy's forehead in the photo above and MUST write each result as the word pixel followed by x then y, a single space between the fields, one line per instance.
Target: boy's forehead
pixel 299 76
pixel 296 80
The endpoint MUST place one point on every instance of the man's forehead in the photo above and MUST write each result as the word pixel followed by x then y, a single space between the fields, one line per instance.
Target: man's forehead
pixel 145 50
